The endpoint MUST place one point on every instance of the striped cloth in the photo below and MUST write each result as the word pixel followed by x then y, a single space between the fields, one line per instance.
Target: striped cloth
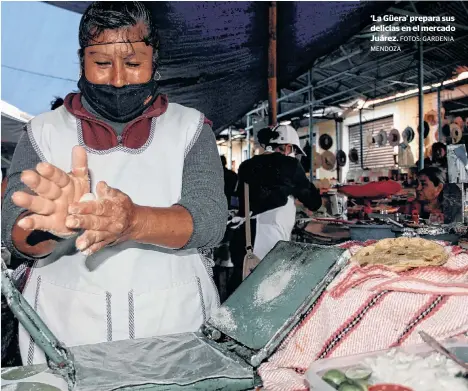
pixel 373 308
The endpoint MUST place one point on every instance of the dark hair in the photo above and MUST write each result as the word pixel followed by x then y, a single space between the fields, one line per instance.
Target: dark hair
pixel 56 103
pixel 435 175
pixel 116 15
pixel 223 160
pixel 265 135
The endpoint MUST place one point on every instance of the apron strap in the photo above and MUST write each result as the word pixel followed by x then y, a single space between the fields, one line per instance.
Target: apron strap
pixel 248 236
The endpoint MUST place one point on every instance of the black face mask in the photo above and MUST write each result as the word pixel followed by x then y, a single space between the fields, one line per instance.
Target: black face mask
pixel 121 104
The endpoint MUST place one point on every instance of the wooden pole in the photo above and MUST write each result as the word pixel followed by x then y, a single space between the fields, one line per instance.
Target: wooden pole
pixel 272 82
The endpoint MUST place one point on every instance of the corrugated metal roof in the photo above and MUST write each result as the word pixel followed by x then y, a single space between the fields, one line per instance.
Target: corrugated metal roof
pixel 354 70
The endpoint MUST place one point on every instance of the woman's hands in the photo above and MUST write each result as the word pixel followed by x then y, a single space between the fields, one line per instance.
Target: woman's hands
pixel 107 221
pixel 54 191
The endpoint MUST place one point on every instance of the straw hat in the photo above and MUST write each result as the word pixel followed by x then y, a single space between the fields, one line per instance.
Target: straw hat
pixel 394 137
pixel 431 117
pixel 381 138
pixel 370 141
pixel 455 133
pixel 426 129
pixel 317 161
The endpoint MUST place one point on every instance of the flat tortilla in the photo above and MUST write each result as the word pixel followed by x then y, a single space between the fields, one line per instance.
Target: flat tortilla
pixel 401 254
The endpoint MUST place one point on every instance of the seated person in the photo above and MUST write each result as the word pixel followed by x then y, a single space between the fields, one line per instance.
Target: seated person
pixel 434 196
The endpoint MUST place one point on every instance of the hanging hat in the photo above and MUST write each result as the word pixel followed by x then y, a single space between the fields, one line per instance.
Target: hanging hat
pixel 381 138
pixel 459 122
pixel 353 155
pixel 325 142
pixel 446 130
pixel 370 141
pixel 394 137
pixel 426 129
pixel 328 161
pixel 317 162
pixel 431 117
pixel 455 133
pixel 408 134
pixel 341 158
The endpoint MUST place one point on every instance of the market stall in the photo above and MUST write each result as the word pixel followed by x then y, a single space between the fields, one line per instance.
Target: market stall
pixel 293 321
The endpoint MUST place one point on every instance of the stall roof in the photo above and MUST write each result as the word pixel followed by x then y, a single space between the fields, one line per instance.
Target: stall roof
pixel 214 54
pixel 353 71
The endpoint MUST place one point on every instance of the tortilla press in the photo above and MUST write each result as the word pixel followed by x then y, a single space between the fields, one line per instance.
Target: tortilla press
pixel 426 129
pixel 325 142
pixel 455 133
pixel 328 161
pixel 408 134
pixel 341 158
pixel 353 155
pixel 394 137
pixel 223 355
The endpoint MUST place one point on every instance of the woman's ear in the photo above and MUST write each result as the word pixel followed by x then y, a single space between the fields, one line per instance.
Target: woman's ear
pixel 439 188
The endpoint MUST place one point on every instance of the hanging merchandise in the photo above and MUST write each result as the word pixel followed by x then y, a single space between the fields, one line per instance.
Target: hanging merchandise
pixel 370 141
pixel 431 117
pixel 317 162
pixel 459 121
pixel 353 155
pixel 328 161
pixel 446 129
pixel 455 133
pixel 325 142
pixel 405 156
pixel 408 134
pixel 381 138
pixel 394 137
pixel 426 129
pixel 341 158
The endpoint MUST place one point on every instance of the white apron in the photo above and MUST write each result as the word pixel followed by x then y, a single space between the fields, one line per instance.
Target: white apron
pixel 273 226
pixel 130 290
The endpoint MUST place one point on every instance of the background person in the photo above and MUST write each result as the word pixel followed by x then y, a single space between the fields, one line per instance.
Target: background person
pixel 276 178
